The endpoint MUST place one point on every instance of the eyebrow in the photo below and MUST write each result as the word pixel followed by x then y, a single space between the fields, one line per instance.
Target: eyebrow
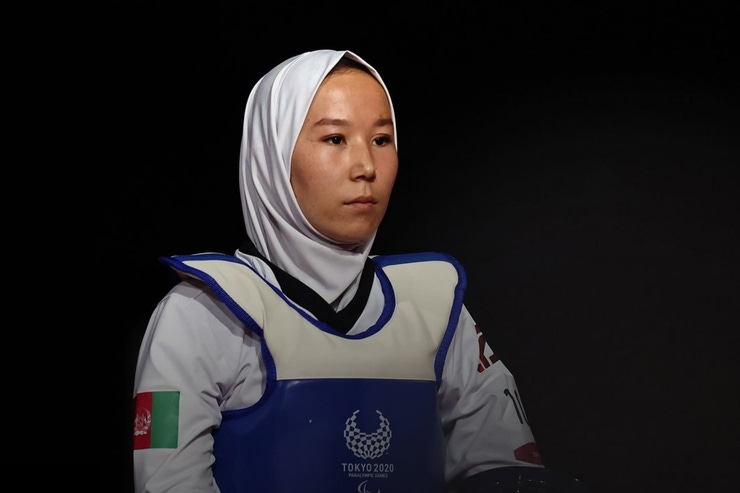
pixel 381 122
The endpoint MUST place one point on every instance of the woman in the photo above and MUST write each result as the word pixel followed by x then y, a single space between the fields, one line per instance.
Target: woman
pixel 302 362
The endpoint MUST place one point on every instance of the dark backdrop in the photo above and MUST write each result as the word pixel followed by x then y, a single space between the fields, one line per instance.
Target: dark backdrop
pixel 581 163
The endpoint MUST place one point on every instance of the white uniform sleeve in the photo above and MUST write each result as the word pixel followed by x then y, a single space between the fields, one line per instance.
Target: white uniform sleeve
pixel 482 414
pixel 195 346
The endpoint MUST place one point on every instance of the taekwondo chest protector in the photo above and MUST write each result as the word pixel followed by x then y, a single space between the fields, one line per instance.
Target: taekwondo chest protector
pixel 339 413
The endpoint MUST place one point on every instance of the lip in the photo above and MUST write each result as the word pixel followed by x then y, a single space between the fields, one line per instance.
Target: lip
pixel 363 204
pixel 363 200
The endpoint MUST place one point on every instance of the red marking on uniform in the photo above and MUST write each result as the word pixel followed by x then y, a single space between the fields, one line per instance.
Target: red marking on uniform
pixel 142 420
pixel 485 361
pixel 528 453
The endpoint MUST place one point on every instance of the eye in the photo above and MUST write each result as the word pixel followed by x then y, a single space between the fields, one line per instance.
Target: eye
pixel 334 139
pixel 382 140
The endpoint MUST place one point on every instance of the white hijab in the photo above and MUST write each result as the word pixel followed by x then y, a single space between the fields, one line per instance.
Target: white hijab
pixel 274 115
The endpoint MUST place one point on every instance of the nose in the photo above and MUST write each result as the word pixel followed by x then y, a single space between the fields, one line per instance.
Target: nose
pixel 363 164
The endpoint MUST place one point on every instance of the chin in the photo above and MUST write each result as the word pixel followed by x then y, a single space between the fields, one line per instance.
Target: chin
pixel 354 236
pixel 353 243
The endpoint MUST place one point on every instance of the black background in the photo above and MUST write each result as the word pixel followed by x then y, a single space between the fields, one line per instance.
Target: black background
pixel 581 162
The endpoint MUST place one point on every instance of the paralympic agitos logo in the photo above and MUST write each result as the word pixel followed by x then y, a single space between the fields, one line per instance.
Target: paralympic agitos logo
pixel 367 445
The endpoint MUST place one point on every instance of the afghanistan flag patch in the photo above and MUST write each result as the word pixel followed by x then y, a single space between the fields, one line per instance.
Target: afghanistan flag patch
pixel 156 419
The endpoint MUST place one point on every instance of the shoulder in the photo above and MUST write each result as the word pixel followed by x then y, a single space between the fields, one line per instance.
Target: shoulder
pixel 416 258
pixel 423 275
pixel 192 300
pixel 215 269
pixel 190 319
pixel 422 263
pixel 189 262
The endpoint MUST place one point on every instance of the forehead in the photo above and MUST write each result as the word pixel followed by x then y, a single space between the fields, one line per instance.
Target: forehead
pixel 352 84
pixel 350 74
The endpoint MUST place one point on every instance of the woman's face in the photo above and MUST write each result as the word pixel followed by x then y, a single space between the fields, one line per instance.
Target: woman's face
pixel 344 162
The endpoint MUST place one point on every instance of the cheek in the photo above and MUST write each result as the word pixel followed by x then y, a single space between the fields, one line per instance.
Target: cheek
pixel 315 165
pixel 300 188
pixel 303 164
pixel 309 188
pixel 309 182
pixel 301 173
pixel 388 175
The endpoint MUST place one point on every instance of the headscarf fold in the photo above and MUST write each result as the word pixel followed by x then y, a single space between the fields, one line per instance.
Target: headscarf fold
pixel 276 109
